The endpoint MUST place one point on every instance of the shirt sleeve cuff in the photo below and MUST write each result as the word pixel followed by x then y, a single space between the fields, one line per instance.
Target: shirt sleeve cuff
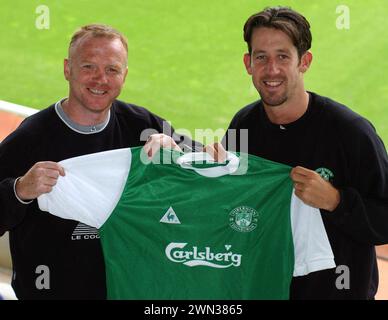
pixel 341 213
pixel 14 191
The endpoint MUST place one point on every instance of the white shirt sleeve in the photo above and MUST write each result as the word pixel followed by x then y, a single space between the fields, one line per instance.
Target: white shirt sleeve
pixel 311 244
pixel 91 187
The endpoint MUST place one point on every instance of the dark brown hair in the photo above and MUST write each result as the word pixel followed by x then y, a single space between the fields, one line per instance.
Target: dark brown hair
pixel 285 19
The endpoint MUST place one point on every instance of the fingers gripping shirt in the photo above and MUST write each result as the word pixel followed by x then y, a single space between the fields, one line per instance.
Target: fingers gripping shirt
pixel 168 232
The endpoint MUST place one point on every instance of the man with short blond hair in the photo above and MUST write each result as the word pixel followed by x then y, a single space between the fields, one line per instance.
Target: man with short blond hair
pixel 55 258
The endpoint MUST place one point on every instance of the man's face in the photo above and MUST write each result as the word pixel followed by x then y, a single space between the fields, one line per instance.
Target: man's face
pixel 277 71
pixel 96 71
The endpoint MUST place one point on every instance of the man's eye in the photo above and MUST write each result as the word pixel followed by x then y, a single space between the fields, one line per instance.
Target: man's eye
pixel 87 66
pixel 113 70
pixel 283 57
pixel 260 57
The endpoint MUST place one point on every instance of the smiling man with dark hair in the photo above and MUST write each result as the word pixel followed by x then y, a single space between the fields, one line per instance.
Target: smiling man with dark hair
pixel 340 163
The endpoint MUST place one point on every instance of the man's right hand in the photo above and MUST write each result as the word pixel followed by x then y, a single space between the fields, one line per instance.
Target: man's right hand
pixel 38 180
pixel 217 151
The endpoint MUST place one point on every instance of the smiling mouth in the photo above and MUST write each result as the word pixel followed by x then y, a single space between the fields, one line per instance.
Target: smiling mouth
pixel 97 92
pixel 273 84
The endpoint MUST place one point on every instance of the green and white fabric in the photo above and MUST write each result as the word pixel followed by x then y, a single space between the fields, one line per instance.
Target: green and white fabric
pixel 183 230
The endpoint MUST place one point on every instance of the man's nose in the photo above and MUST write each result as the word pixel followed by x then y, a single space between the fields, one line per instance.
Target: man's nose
pixel 100 75
pixel 272 67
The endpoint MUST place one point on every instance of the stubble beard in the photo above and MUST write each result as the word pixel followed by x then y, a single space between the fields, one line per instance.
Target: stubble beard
pixel 273 101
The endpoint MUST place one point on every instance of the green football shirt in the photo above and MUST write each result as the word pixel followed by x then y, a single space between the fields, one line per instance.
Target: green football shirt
pixel 182 228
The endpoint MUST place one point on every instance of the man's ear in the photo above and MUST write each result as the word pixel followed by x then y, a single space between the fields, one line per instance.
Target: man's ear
pixel 305 62
pixel 125 73
pixel 247 63
pixel 66 69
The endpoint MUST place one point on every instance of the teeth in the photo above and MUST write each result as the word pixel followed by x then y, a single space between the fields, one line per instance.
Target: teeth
pixel 95 91
pixel 273 83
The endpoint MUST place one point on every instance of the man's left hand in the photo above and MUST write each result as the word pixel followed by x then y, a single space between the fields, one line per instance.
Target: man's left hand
pixel 313 190
pixel 157 141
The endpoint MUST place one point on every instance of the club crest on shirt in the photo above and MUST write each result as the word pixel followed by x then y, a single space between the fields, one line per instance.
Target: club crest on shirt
pixel 325 173
pixel 243 219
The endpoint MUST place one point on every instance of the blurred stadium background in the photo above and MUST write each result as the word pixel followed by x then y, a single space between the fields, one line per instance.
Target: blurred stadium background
pixel 185 60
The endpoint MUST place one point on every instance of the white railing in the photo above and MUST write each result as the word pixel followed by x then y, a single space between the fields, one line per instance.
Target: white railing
pixel 16 109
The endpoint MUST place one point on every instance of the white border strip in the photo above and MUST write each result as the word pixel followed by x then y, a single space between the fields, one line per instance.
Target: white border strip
pixel 17 109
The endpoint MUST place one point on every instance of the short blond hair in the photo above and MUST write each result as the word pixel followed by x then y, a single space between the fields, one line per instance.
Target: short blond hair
pixel 98 31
